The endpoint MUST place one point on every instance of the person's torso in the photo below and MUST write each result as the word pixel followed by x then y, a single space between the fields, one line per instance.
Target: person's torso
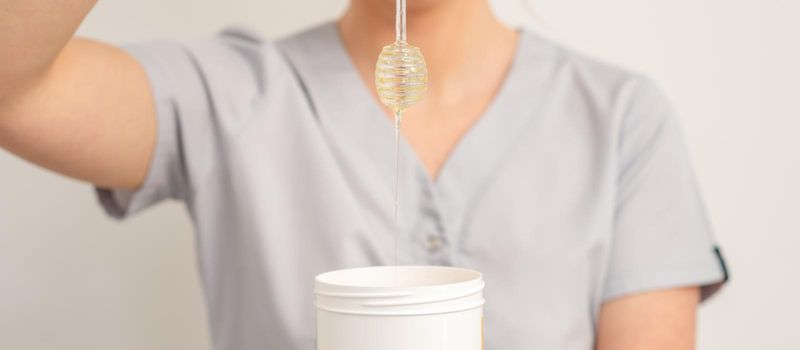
pixel 307 186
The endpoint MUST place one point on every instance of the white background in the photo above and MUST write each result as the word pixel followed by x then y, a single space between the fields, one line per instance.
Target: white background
pixel 70 278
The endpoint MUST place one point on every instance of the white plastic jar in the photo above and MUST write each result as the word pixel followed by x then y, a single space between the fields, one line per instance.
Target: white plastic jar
pixel 400 308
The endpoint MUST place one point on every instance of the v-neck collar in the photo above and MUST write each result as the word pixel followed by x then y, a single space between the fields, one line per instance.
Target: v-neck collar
pixel 345 106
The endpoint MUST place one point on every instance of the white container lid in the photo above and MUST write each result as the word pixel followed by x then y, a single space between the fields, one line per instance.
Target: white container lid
pixel 399 290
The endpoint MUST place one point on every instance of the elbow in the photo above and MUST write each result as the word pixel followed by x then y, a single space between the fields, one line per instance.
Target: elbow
pixel 12 93
pixel 6 101
pixel 17 80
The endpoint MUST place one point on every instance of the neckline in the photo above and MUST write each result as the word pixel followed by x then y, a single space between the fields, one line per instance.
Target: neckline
pixel 362 137
pixel 490 111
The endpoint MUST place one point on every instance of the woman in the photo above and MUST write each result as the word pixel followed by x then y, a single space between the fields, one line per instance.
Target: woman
pixel 564 180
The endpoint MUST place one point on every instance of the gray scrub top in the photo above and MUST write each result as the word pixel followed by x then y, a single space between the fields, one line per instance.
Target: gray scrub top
pixel 572 189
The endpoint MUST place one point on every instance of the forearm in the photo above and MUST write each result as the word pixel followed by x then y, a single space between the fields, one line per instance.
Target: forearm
pixel 32 33
pixel 659 320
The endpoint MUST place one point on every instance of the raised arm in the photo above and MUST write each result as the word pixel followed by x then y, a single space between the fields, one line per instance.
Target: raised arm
pixel 75 106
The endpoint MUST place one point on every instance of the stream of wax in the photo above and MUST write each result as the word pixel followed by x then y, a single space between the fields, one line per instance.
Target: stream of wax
pixel 398 119
pixel 401 78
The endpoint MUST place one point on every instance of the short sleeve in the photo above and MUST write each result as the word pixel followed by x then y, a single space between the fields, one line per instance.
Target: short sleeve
pixel 195 86
pixel 662 237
